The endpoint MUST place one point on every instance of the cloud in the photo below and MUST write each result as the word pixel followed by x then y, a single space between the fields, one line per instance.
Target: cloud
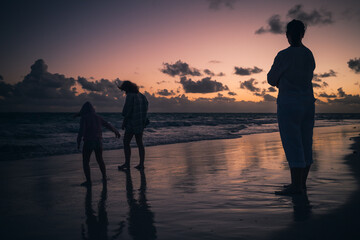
pixel 314 18
pixel 220 103
pixel 1 78
pixel 221 98
pixel 325 95
pixel 208 72
pixel 232 93
pixel 354 64
pixel 160 82
pixel 331 73
pixel 272 89
pixel 249 85
pixel 216 4
pixel 205 85
pixel 97 86
pixel 346 100
pixel 247 71
pixel 214 61
pixel 274 25
pixel 316 85
pixel 179 69
pixel 41 90
pixel 221 74
pixel 341 92
pixel 269 98
pixel 165 92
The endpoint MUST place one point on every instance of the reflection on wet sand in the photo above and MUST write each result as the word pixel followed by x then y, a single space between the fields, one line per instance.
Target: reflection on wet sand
pixel 97 226
pixel 140 217
pixel 302 207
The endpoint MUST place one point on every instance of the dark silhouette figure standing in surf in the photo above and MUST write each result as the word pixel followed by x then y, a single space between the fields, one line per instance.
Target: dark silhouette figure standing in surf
pixel 90 131
pixel 135 120
pixel 292 72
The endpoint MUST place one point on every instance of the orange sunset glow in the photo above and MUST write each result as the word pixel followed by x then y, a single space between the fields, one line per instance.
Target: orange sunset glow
pixel 134 40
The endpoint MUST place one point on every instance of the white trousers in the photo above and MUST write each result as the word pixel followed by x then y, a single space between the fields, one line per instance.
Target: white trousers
pixel 296 123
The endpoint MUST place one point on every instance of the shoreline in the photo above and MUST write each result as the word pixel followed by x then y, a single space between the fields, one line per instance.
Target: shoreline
pixel 213 189
pixel 133 145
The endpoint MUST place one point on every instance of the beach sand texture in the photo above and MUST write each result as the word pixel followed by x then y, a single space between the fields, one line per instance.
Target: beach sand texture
pixel 218 189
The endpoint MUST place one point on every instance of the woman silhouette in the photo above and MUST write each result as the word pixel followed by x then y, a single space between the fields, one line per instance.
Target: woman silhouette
pixel 292 72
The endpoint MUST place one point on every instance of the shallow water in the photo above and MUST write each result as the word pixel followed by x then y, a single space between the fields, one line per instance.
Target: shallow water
pixel 218 189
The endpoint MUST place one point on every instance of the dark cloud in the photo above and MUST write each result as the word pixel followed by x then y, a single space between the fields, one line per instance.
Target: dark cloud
pixel 341 93
pixel 354 64
pixel 160 82
pixel 1 78
pixel 165 92
pixel 272 89
pixel 208 72
pixel 179 69
pixel 247 71
pixel 220 103
pixel 316 85
pixel 44 91
pixel 221 74
pixel 250 85
pixel 6 90
pixel 269 98
pixel 97 86
pixel 217 4
pixel 316 17
pixel 275 25
pixel 346 100
pixel 325 95
pixel 232 93
pixel 331 73
pixel 214 61
pixel 205 85
pixel 221 98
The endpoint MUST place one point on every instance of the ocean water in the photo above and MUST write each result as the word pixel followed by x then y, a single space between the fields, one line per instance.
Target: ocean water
pixel 29 135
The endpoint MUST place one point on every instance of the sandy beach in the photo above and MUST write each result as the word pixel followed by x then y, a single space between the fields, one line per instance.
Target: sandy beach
pixel 218 189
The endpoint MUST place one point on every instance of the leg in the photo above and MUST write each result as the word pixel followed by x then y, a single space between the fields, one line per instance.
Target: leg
pixel 100 160
pixel 140 144
pixel 307 138
pixel 127 150
pixel 86 159
pixel 289 119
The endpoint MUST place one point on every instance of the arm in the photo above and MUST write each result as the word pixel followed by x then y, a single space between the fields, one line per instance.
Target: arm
pixel 80 133
pixel 277 69
pixel 110 127
pixel 128 108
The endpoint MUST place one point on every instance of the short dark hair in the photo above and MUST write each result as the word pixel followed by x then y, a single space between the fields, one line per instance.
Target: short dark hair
pixel 295 29
pixel 129 87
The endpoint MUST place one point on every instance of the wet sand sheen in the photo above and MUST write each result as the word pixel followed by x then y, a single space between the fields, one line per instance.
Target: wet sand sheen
pixel 220 189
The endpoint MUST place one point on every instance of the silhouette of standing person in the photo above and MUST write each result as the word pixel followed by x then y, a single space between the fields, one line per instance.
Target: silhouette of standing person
pixel 135 120
pixel 90 130
pixel 292 72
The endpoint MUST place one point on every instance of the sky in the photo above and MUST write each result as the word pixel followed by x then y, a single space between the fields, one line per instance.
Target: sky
pixel 186 55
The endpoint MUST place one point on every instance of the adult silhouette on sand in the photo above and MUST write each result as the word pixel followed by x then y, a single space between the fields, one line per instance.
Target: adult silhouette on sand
pixel 135 120
pixel 292 72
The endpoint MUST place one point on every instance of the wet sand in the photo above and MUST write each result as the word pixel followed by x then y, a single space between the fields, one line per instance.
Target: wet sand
pixel 219 189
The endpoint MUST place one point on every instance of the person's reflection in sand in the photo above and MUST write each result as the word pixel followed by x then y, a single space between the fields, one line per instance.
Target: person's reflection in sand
pixel 140 218
pixel 302 207
pixel 97 226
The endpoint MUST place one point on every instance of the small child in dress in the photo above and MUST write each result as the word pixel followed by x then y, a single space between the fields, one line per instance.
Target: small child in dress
pixel 90 131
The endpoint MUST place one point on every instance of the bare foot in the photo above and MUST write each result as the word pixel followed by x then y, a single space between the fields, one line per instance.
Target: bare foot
pixel 140 167
pixel 123 167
